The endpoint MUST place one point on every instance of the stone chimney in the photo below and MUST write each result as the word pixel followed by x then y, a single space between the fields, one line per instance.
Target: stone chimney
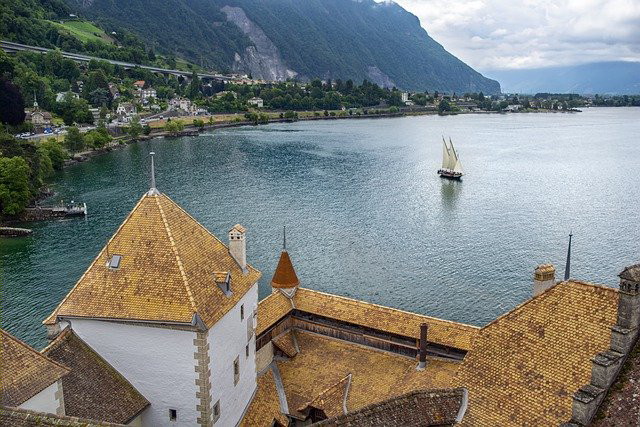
pixel 238 246
pixel 544 277
pixel 422 353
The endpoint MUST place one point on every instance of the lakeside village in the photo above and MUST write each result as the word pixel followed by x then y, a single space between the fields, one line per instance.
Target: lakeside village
pixel 165 328
pixel 59 111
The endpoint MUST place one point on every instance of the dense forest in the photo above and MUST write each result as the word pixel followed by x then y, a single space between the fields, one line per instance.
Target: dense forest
pixel 337 39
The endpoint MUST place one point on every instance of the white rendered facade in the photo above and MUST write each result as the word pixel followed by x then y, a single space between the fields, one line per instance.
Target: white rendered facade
pixel 162 363
pixel 158 362
pixel 48 400
pixel 227 340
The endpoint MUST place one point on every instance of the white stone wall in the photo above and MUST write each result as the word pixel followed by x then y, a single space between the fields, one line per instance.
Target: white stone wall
pixel 227 340
pixel 45 401
pixel 158 362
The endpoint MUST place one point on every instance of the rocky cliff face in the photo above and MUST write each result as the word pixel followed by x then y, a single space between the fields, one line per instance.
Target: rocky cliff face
pixel 262 59
pixel 305 39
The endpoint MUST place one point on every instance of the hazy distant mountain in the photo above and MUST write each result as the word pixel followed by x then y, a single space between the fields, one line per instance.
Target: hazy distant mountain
pixel 600 77
pixel 279 39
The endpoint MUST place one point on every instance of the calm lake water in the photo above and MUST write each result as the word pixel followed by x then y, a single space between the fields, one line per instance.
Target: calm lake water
pixel 366 214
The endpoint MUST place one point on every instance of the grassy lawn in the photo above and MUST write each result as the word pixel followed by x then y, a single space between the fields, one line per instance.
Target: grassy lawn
pixel 84 31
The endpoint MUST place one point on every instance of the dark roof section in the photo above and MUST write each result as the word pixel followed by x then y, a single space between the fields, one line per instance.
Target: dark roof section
pixel 422 408
pixel 285 275
pixel 93 389
pixel 16 417
pixel 23 371
pixel 631 273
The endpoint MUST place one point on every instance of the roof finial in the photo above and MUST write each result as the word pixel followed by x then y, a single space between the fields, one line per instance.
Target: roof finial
pixel 284 238
pixel 153 190
pixel 35 100
pixel 567 268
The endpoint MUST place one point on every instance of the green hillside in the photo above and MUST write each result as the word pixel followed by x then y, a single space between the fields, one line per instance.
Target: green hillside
pixel 84 31
pixel 313 38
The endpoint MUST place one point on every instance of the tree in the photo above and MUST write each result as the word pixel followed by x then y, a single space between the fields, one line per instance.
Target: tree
pixel 174 126
pixel 11 104
pixel 444 105
pixel 193 91
pixel 14 185
pixel 56 153
pixel 135 128
pixel 199 123
pixel 74 140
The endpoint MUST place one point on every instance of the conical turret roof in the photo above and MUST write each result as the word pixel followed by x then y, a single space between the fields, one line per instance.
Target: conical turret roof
pixel 285 275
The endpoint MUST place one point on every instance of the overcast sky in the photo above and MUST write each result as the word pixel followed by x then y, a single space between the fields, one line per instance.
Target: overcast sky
pixel 498 34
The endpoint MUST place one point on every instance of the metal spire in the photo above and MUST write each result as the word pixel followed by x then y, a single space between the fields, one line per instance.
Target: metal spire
pixel 153 190
pixel 284 238
pixel 567 268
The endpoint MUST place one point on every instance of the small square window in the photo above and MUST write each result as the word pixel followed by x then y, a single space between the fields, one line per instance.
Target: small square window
pixel 236 370
pixel 216 411
pixel 246 350
pixel 173 415
pixel 242 312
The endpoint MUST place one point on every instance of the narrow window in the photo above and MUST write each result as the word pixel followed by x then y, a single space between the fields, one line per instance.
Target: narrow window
pixel 242 312
pixel 216 411
pixel 173 415
pixel 246 350
pixel 236 370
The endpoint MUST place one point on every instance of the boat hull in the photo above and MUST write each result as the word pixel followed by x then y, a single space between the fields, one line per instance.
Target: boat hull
pixel 450 174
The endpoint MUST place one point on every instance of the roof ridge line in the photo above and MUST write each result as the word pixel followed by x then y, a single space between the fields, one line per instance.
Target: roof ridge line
pixel 56 341
pixel 177 255
pixel 205 228
pixel 326 390
pixel 55 311
pixel 544 294
pixel 33 350
pixel 392 308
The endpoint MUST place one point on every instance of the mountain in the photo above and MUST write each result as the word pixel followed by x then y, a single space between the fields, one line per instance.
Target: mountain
pixel 621 78
pixel 280 39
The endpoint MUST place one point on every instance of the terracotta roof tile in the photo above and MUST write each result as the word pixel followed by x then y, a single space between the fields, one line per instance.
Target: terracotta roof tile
pixel 16 417
pixel 525 366
pixel 285 342
pixel 166 272
pixel 23 371
pixel 386 319
pixel 93 389
pixel 271 309
pixel 420 408
pixel 331 401
pixel 285 275
pixel 265 406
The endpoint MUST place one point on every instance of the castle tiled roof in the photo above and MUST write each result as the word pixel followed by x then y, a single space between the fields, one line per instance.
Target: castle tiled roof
pixel 16 417
pixel 331 401
pixel 23 371
pixel 420 408
pixel 166 273
pixel 285 275
pixel 525 366
pixel 93 389
pixel 386 319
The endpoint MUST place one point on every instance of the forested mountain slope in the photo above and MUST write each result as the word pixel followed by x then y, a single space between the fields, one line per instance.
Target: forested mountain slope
pixel 279 39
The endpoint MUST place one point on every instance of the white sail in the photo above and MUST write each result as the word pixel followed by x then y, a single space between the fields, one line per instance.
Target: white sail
pixel 446 156
pixel 457 164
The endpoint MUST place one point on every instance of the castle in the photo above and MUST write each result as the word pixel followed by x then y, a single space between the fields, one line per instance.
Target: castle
pixel 165 329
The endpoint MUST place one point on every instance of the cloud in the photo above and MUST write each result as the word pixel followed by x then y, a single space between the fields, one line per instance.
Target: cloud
pixel 507 34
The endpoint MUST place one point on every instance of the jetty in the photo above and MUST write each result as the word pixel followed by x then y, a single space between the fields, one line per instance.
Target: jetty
pixel 14 232
pixel 41 213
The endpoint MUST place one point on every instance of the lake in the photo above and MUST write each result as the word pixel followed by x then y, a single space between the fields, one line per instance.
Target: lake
pixel 366 214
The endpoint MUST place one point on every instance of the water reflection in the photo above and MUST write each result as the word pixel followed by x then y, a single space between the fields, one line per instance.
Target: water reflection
pixel 450 192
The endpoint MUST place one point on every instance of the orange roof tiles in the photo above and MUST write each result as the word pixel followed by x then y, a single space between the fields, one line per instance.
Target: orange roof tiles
pixel 166 273
pixel 285 275
pixel 271 309
pixel 286 343
pixel 331 401
pixel 525 366
pixel 23 371
pixel 386 319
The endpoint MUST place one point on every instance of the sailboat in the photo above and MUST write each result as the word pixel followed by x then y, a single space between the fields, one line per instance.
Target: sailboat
pixel 451 165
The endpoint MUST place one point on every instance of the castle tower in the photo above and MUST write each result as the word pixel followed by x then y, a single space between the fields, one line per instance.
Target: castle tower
pixel 169 306
pixel 285 278
pixel 627 327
